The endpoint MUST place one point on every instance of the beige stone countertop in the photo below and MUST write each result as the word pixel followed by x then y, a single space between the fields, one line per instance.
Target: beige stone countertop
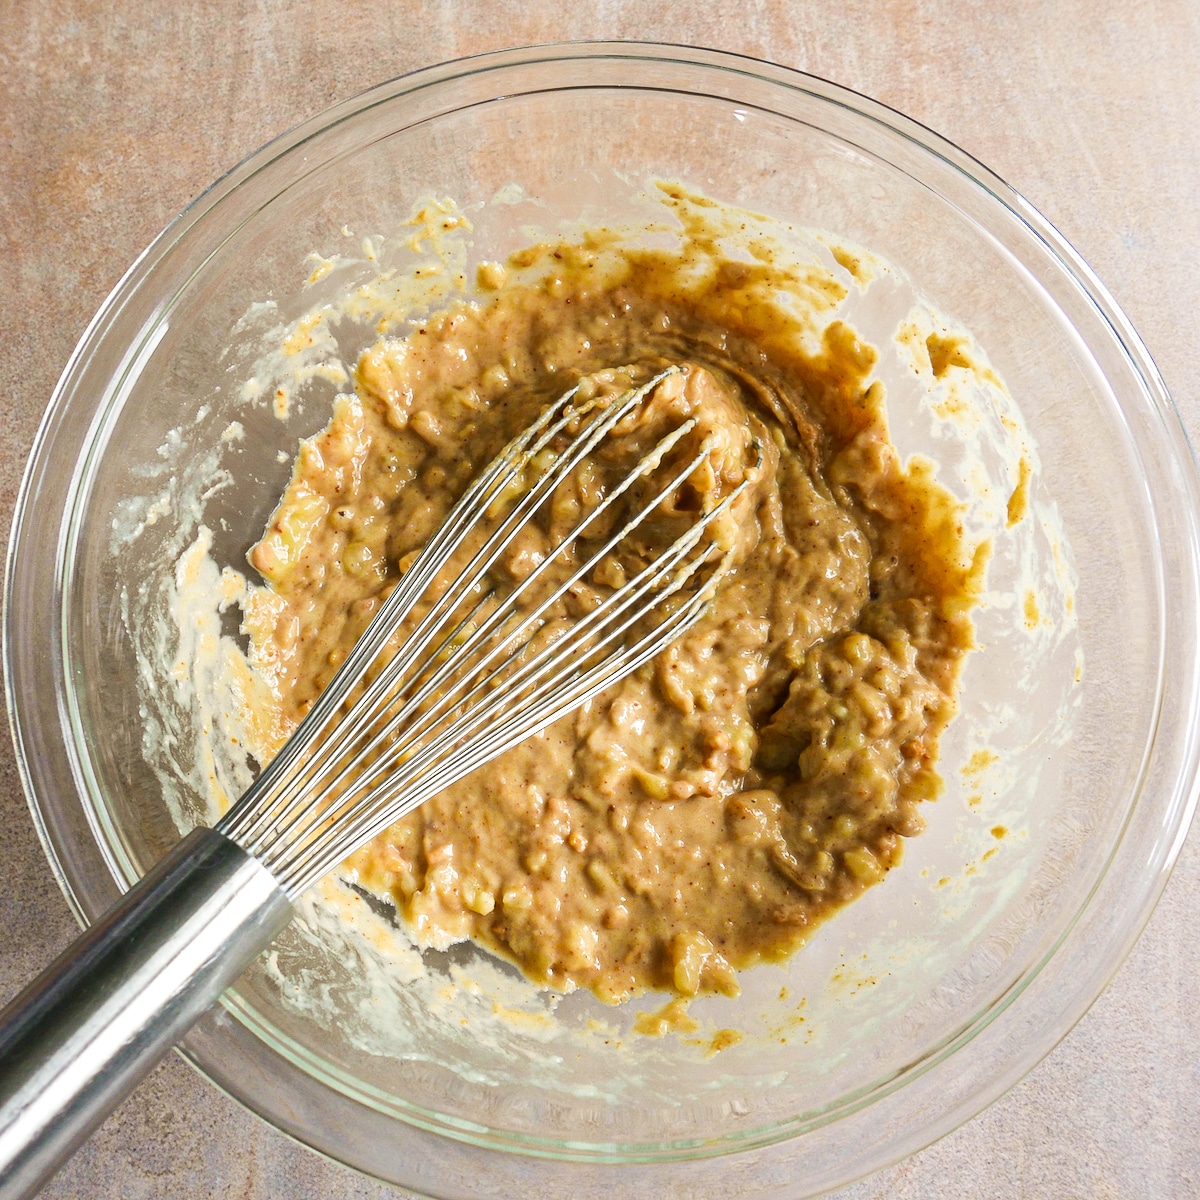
pixel 114 116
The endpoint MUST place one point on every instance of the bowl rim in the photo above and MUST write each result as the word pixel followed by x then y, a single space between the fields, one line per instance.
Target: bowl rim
pixel 1178 808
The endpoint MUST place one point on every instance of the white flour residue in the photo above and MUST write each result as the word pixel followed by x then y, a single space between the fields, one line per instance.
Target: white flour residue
pixel 214 679
pixel 181 483
pixel 347 966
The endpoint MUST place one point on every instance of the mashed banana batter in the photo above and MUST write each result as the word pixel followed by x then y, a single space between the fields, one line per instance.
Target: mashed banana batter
pixel 709 811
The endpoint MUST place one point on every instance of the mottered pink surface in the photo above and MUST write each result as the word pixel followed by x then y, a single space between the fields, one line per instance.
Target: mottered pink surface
pixel 114 116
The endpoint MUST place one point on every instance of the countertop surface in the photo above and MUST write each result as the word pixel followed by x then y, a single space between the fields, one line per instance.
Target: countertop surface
pixel 114 116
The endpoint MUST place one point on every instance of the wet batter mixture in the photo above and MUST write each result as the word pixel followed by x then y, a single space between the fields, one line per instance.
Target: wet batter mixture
pixel 709 811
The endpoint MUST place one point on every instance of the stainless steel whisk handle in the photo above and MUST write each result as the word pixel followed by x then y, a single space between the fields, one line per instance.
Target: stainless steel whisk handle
pixel 75 1042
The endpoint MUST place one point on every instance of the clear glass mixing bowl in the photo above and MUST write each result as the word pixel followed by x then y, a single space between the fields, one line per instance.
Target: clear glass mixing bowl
pixel 921 1003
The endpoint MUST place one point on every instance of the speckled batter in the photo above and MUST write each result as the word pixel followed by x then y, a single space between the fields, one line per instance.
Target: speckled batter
pixel 709 811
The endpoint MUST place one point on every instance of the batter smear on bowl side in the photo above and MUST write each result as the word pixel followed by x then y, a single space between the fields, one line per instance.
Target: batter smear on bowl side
pixel 711 810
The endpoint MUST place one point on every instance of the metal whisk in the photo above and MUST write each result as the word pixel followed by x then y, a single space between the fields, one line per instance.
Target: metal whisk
pixel 480 668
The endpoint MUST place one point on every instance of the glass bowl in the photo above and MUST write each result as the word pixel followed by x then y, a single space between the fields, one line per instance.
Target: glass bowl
pixel 923 1001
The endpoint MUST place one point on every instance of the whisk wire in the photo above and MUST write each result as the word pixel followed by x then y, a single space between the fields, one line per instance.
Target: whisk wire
pixel 428 717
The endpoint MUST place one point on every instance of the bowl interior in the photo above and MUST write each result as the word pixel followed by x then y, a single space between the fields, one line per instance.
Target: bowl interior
pixel 1060 703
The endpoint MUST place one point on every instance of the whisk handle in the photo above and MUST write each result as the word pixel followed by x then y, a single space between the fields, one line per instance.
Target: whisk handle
pixel 75 1042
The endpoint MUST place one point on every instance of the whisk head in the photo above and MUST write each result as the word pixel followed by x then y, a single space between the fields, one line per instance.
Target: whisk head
pixel 453 674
